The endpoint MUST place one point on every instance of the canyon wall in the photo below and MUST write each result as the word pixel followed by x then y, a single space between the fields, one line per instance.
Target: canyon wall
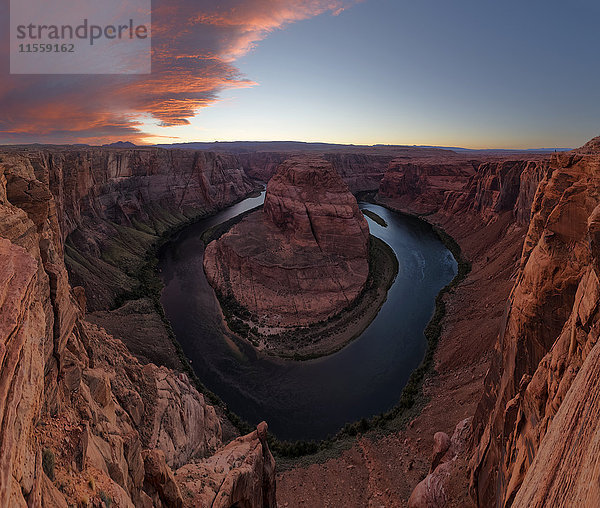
pixel 535 427
pixel 361 172
pixel 484 205
pixel 535 438
pixel 111 205
pixel 362 168
pixel 483 188
pixel 425 184
pixel 80 418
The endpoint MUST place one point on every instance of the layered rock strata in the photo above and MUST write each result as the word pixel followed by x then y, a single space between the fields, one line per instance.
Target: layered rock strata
pixel 536 425
pixel 362 168
pixel 111 207
pixel 304 257
pixel 425 183
pixel 535 428
pixel 81 420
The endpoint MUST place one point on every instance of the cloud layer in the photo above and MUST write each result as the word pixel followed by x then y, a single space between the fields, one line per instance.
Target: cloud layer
pixel 195 45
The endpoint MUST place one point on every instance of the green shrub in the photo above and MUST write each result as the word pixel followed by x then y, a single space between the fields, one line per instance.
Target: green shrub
pixel 48 463
pixel 105 499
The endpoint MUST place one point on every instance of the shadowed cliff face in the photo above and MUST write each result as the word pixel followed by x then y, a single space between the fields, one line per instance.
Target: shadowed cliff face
pixel 458 185
pixel 536 425
pixel 361 172
pixel 362 169
pixel 304 257
pixel 425 183
pixel 69 393
pixel 111 205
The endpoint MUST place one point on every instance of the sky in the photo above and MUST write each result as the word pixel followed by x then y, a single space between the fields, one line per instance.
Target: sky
pixel 470 73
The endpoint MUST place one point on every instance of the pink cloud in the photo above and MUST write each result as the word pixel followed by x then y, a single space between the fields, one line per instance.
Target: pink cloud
pixel 195 45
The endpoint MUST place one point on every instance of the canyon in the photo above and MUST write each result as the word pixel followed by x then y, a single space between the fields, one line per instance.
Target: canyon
pixel 520 330
pixel 81 420
pixel 303 258
pixel 96 400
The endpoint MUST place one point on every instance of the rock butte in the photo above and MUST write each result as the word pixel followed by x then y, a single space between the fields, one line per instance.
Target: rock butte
pixel 304 257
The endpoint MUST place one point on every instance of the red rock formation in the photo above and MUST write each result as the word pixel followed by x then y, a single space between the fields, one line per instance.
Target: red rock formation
pixel 21 325
pixel 361 172
pixel 536 424
pixel 304 257
pixel 262 165
pixel 70 394
pixel 425 183
pixel 535 427
pixel 435 491
pixel 455 184
pixel 385 471
pixel 241 474
pixel 500 186
pixel 112 204
pixel 362 168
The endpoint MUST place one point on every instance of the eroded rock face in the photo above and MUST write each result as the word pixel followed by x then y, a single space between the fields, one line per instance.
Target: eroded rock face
pixel 360 171
pixel 22 326
pixel 435 491
pixel 241 474
pixel 425 184
pixel 536 425
pixel 304 257
pixel 455 184
pixel 496 187
pixel 111 205
pixel 70 394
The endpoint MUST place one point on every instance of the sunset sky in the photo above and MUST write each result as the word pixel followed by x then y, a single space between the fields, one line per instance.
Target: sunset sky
pixel 471 73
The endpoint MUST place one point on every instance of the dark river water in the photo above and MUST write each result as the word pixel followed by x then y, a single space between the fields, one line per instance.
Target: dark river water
pixel 309 399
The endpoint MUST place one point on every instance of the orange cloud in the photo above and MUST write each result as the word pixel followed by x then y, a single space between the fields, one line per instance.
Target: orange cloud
pixel 195 44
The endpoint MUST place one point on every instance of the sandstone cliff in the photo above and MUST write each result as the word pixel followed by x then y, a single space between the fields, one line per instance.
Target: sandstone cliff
pixel 80 418
pixel 361 167
pixel 425 184
pixel 535 427
pixel 360 171
pixel 112 204
pixel 304 257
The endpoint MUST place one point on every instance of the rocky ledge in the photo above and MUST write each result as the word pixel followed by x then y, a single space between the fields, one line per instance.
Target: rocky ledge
pixel 300 260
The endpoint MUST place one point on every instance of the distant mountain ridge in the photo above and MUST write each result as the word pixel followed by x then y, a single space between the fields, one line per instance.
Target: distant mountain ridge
pixel 120 144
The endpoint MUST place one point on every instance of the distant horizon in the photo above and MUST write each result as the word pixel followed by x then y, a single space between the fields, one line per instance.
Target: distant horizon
pixel 274 141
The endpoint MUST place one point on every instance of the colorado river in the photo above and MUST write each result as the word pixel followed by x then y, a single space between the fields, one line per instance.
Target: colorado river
pixel 309 399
